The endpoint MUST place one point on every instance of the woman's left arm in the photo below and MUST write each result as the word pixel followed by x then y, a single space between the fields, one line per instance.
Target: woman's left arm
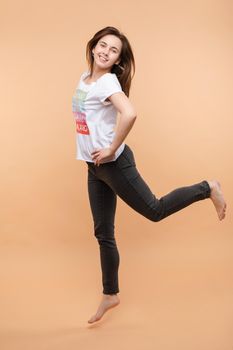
pixel 126 121
pixel 127 118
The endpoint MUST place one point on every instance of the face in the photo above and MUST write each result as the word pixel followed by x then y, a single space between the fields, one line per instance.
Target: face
pixel 107 51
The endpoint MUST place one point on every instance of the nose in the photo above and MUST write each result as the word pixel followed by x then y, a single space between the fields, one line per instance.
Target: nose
pixel 106 51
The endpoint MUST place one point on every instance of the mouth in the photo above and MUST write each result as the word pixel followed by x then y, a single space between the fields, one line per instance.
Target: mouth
pixel 103 59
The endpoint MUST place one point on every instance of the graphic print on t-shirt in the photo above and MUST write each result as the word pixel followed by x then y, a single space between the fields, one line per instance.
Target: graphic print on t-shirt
pixel 79 112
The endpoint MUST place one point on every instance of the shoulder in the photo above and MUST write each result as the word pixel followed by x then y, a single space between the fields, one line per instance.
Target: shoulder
pixel 82 77
pixel 110 76
pixel 84 74
pixel 107 85
pixel 109 79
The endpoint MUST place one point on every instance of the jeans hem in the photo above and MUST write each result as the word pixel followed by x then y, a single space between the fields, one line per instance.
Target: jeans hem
pixel 111 292
pixel 208 189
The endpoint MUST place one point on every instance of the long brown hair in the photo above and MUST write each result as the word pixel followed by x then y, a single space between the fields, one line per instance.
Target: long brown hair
pixel 123 70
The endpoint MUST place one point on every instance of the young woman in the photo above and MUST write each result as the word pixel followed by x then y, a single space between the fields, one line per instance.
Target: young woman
pixel 103 91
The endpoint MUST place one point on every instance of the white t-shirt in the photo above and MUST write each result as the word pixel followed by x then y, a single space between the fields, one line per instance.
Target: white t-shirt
pixel 95 118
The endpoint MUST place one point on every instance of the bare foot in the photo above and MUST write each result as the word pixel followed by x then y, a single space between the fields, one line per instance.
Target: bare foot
pixel 217 198
pixel 108 301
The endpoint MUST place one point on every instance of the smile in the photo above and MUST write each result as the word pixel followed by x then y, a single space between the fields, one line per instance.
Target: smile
pixel 103 59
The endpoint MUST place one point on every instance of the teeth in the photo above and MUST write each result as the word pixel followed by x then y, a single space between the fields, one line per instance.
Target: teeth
pixel 102 58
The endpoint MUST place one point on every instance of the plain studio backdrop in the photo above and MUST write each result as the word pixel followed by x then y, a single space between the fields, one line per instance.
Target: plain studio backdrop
pixel 175 276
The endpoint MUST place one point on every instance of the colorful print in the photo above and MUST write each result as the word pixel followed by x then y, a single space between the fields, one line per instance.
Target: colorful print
pixel 78 109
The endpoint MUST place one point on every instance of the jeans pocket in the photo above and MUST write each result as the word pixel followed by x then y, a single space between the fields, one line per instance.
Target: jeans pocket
pixel 91 167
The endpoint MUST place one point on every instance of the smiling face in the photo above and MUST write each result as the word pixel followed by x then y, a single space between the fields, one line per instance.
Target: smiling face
pixel 107 52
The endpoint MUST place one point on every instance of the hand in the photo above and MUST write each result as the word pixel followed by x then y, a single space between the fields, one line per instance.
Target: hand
pixel 102 155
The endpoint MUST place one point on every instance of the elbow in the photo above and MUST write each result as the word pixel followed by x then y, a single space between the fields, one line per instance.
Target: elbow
pixel 131 116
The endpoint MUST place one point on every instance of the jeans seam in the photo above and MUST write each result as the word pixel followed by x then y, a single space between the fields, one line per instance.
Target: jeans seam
pixel 131 184
pixel 186 202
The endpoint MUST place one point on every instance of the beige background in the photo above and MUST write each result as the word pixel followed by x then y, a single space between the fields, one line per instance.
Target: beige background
pixel 176 275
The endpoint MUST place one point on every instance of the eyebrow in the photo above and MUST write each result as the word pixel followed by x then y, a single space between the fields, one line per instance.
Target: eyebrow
pixel 112 46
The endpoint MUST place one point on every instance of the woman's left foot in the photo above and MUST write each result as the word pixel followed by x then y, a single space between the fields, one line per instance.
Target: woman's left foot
pixel 108 301
pixel 217 198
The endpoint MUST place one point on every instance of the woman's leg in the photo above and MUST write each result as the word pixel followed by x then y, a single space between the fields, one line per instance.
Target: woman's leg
pixel 124 179
pixel 103 206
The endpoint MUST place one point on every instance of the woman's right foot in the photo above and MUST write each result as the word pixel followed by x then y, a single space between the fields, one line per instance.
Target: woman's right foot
pixel 217 198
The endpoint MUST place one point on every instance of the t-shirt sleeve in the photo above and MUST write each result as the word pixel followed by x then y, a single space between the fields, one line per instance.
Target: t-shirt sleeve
pixel 108 86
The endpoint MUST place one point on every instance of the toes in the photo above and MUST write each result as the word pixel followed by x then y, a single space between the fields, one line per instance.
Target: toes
pixel 92 320
pixel 222 215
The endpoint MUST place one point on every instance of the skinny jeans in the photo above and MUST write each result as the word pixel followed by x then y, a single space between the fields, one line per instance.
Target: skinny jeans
pixel 121 178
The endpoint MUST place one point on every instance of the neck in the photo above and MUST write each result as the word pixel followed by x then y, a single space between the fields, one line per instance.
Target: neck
pixel 98 72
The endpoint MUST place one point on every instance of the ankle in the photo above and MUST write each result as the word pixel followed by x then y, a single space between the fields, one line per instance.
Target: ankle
pixel 212 184
pixel 109 296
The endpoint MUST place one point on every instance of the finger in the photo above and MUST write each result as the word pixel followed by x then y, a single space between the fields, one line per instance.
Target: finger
pixel 95 154
pixel 96 161
pixel 96 151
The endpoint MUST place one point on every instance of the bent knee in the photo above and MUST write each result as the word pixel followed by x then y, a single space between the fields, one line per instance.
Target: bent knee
pixel 155 215
pixel 155 218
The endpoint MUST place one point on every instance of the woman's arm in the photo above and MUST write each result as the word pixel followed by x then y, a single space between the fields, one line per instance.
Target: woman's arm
pixel 126 121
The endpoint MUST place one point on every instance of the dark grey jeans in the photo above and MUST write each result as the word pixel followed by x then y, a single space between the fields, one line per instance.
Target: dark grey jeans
pixel 121 177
